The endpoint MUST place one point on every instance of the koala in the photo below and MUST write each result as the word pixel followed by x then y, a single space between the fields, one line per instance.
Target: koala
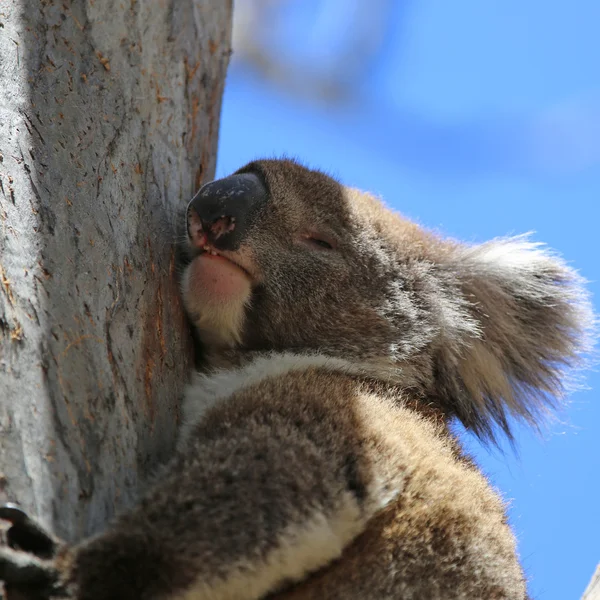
pixel 317 457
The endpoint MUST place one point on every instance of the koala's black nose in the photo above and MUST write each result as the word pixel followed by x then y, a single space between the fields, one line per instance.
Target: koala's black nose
pixel 226 209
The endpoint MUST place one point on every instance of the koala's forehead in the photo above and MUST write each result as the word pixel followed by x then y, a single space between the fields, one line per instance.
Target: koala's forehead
pixel 311 191
pixel 298 187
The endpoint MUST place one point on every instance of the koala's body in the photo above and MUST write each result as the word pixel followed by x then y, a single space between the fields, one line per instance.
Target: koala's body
pixel 316 459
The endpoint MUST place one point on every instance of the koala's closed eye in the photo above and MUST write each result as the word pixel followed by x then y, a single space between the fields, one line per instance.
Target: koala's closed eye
pixel 319 241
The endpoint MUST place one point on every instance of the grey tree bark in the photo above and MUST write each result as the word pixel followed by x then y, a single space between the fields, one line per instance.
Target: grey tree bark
pixel 108 123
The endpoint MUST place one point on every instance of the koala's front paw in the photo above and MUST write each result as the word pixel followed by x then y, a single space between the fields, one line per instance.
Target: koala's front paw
pixel 26 565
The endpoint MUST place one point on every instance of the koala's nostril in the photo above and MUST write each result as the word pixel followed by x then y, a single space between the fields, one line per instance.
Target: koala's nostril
pixel 227 208
pixel 222 226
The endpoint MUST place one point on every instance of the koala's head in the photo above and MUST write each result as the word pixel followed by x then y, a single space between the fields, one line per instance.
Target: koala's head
pixel 286 258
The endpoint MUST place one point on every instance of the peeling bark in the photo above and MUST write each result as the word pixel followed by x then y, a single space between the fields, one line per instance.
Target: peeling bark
pixel 108 123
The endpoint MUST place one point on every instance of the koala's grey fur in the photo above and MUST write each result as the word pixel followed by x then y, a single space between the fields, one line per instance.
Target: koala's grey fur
pixel 316 461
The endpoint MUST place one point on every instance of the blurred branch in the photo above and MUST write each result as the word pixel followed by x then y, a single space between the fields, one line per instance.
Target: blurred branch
pixel 337 46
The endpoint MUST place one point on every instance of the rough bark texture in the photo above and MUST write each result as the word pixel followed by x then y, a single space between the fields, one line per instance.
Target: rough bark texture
pixel 108 122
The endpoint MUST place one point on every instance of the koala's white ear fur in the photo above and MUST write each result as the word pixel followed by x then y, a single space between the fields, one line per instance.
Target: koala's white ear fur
pixel 531 319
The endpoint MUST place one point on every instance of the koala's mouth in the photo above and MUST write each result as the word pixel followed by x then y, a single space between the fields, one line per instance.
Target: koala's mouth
pixel 210 252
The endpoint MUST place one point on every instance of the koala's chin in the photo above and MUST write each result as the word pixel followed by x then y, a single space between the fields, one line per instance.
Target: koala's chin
pixel 216 292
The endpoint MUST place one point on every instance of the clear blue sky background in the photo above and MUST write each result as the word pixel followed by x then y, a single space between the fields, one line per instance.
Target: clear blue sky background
pixel 479 119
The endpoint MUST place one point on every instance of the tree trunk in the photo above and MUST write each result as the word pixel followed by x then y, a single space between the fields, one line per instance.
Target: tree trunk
pixel 108 123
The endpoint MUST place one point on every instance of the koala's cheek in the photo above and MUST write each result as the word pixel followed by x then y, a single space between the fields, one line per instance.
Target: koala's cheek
pixel 214 278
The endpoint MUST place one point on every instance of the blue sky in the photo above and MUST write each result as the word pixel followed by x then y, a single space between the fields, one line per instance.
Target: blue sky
pixel 477 119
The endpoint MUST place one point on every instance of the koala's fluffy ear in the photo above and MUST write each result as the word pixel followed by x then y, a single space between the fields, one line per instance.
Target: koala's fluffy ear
pixel 528 319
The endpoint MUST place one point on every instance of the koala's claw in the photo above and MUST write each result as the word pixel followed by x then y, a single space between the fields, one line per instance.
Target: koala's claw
pixel 27 535
pixel 11 512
